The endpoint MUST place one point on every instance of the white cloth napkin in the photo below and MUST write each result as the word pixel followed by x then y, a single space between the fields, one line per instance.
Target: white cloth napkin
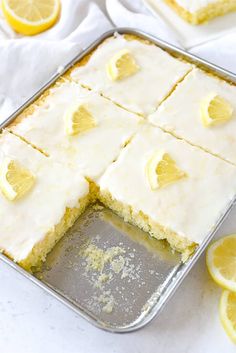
pixel 27 62
pixel 221 51
pixel 135 15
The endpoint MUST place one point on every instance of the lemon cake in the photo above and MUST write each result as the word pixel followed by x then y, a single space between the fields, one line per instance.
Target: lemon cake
pixel 169 188
pixel 89 128
pixel 199 11
pixel 39 201
pixel 202 110
pixel 135 74
pixel 78 127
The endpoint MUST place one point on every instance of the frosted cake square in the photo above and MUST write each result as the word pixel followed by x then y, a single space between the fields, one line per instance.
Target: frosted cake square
pixel 103 127
pixel 135 74
pixel 198 11
pixel 184 114
pixel 169 188
pixel 44 201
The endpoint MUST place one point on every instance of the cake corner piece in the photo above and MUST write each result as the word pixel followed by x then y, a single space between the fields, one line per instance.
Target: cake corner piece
pixel 43 212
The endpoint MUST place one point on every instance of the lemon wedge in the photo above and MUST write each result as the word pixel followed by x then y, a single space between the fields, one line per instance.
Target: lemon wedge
pixel 221 262
pixel 78 119
pixel 228 313
pixel 15 180
pixel 30 17
pixel 161 170
pixel 121 65
pixel 215 110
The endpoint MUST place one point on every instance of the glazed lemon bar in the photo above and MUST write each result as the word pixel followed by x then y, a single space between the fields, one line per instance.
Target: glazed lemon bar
pixel 39 200
pixel 78 127
pixel 198 11
pixel 169 188
pixel 202 110
pixel 135 74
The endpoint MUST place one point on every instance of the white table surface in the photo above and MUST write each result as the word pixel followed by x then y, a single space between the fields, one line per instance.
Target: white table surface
pixel 31 321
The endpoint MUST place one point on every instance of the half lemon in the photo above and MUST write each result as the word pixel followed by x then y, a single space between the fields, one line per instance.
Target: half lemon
pixel 228 313
pixel 221 262
pixel 31 17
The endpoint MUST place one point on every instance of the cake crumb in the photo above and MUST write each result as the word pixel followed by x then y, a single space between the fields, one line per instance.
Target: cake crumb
pixel 98 207
pixel 107 299
pixel 97 258
pixel 117 265
pixel 108 308
pixel 101 265
pixel 104 277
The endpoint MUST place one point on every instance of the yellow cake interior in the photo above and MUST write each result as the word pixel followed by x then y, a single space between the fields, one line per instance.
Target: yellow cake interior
pixel 41 249
pixel 177 243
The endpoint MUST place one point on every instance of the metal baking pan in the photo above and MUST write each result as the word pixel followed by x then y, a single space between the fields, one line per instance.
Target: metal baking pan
pixel 125 289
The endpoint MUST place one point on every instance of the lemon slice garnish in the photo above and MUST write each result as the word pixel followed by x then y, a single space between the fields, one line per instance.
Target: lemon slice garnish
pixel 161 170
pixel 122 65
pixel 228 313
pixel 215 110
pixel 31 16
pixel 15 180
pixel 221 261
pixel 78 119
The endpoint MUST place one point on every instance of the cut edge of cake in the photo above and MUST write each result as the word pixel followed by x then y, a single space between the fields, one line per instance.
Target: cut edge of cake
pixel 178 243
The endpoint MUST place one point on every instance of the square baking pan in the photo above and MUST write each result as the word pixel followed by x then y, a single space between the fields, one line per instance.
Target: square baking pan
pixel 108 271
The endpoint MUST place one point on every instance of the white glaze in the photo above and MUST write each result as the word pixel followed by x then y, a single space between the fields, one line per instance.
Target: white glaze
pixel 26 221
pixel 141 92
pixel 190 206
pixel 90 152
pixel 180 114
